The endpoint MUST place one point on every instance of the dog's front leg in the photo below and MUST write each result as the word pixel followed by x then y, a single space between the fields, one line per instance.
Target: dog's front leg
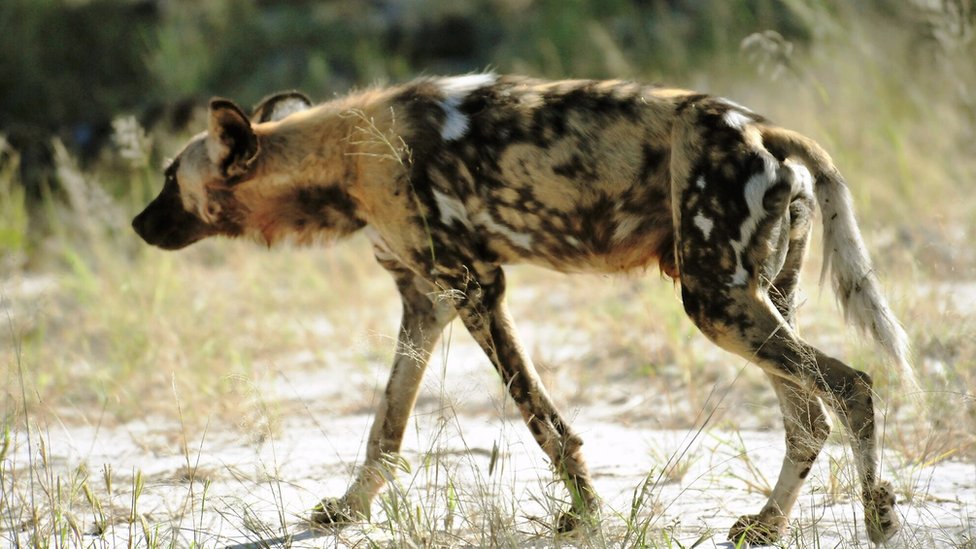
pixel 425 314
pixel 480 300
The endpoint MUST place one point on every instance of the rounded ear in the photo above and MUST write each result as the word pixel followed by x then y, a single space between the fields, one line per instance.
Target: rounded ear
pixel 279 105
pixel 231 143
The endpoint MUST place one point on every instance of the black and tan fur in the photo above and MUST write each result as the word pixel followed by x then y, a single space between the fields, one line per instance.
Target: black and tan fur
pixel 451 178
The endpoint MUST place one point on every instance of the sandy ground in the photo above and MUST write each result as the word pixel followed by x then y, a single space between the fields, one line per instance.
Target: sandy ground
pixel 225 489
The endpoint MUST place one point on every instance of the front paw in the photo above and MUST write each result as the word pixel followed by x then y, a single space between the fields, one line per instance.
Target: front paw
pixel 333 511
pixel 580 523
pixel 879 512
pixel 567 522
pixel 761 529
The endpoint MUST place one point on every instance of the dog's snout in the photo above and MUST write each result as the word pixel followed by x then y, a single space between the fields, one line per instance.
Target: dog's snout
pixel 139 225
pixel 167 225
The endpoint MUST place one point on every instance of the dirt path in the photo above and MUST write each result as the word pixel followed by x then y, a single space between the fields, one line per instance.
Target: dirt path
pixel 224 489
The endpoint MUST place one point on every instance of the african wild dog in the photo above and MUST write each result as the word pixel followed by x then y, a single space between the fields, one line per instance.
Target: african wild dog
pixel 451 178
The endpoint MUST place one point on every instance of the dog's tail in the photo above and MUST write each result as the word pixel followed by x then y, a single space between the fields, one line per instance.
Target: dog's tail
pixel 845 255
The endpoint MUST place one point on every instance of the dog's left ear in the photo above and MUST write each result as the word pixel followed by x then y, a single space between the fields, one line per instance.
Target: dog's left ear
pixel 279 105
pixel 231 143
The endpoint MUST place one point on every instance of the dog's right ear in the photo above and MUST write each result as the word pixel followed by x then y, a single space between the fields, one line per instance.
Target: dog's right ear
pixel 279 105
pixel 231 143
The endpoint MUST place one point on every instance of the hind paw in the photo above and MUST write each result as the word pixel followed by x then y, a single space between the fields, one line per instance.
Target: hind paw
pixel 879 512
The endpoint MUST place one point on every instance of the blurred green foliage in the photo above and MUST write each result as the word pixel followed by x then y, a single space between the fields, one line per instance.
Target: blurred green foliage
pixel 13 211
pixel 70 65
pixel 69 62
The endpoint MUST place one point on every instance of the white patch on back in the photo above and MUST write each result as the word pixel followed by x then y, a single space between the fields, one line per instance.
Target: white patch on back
pixel 735 119
pixel 705 224
pixel 451 209
pixel 755 191
pixel 456 122
pixel 455 89
pixel 735 105
pixel 700 183
pixel 485 220
pixel 460 86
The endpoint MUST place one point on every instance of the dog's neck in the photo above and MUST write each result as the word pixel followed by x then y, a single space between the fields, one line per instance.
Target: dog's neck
pixel 325 145
pixel 312 164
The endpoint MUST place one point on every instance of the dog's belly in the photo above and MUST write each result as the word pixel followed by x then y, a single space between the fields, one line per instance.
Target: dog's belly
pixel 588 256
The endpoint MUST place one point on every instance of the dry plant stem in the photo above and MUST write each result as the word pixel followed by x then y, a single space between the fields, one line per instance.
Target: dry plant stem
pixel 18 358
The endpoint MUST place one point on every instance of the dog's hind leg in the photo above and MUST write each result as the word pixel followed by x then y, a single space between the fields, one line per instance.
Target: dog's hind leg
pixel 425 314
pixel 481 306
pixel 804 419
pixel 742 319
pixel 729 267
pixel 807 428
pixel 749 326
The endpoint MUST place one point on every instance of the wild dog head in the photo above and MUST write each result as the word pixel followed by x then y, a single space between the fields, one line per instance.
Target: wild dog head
pixel 200 195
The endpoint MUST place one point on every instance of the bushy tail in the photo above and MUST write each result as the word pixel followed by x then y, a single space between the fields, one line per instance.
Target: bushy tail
pixel 845 256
